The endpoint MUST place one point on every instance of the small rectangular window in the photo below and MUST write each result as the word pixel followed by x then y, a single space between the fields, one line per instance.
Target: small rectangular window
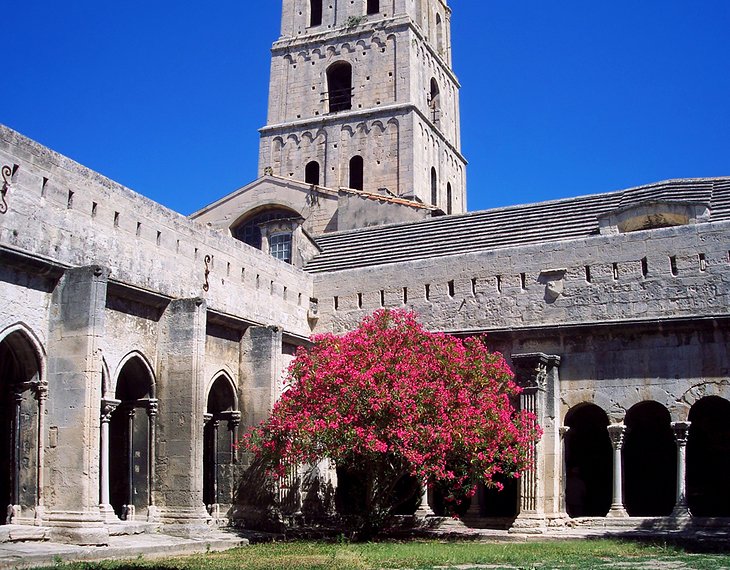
pixel 523 281
pixel 498 282
pixel 228 264
pixel 336 302
pixel 703 262
pixel 373 6
pixel 644 267
pixel 158 240
pixel 94 206
pixel 405 295
pixel 280 246
pixel 615 271
pixel 427 291
pixel 473 286
pixel 116 219
pixel 673 265
pixel 382 298
pixel 315 12
pixel 70 203
pixel 139 228
pixel 359 300
pixel 286 292
pixel 452 289
pixel 588 273
pixel 44 187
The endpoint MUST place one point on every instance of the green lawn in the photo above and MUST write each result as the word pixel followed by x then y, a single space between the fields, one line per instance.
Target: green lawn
pixel 576 554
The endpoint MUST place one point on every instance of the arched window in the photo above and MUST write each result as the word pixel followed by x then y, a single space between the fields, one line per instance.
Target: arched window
pixel 449 207
pixel 373 6
pixel 315 12
pixel 356 173
pixel 439 35
pixel 248 230
pixel 434 187
pixel 219 440
pixel 339 86
pixel 311 173
pixel 434 101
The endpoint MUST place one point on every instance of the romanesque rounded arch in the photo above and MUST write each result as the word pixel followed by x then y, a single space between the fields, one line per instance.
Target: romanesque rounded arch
pixel 708 457
pixel 649 460
pixel 719 388
pixel 106 380
pixel 574 399
pixel 631 397
pixel 588 461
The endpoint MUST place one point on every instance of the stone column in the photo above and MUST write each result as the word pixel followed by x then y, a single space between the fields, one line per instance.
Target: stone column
pixel 178 432
pixel 41 393
pixel 233 422
pixel 107 409
pixel 424 510
pixel 76 331
pixel 152 410
pixel 681 435
pixel 617 432
pixel 563 431
pixel 536 374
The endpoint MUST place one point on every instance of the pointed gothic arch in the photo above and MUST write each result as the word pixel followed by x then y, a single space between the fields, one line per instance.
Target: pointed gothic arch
pixel 132 427
pixel 222 418
pixel 22 396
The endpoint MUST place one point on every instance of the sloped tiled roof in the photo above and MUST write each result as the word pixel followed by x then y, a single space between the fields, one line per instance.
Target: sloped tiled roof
pixel 504 227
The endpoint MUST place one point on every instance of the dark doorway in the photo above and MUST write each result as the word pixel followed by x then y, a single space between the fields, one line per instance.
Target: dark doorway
pixel 311 173
pixel 130 441
pixel 315 12
pixel 357 167
pixel 339 86
pixel 708 458
pixel 373 6
pixel 649 461
pixel 588 462
pixel 19 382
pixel 219 437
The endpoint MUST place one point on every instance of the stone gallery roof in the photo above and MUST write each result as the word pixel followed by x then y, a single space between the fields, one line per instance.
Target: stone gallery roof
pixel 505 227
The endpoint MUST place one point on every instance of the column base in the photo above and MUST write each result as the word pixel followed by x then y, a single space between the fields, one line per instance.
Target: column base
pixel 107 514
pixel 72 527
pixel 424 512
pixel 681 511
pixel 529 523
pixel 187 522
pixel 617 511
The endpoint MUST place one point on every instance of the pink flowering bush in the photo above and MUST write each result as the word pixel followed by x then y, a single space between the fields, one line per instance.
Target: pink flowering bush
pixel 395 401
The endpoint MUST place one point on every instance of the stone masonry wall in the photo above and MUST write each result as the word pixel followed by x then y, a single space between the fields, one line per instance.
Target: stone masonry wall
pixel 61 211
pixel 656 274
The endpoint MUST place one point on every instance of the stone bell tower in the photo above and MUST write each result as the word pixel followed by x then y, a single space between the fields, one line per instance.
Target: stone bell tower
pixel 362 95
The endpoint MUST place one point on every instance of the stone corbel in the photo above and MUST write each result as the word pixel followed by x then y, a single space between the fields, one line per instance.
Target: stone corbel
pixel 554 280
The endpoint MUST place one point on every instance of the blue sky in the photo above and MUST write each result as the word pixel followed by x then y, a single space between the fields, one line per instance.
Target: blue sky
pixel 558 98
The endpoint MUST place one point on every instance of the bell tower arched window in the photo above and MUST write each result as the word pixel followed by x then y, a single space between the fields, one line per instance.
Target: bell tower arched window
pixel 311 173
pixel 315 12
pixel 339 86
pixel 356 173
pixel 434 187
pixel 373 6
pixel 439 35
pixel 434 101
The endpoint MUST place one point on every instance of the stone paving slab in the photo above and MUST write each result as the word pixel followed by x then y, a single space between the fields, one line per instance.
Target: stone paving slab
pixel 33 554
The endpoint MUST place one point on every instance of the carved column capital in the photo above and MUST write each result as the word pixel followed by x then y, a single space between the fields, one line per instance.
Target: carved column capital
pixel 207 417
pixel 41 392
pixel 681 432
pixel 152 407
pixel 563 431
pixel 107 409
pixel 617 432
pixel 531 369
pixel 234 419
